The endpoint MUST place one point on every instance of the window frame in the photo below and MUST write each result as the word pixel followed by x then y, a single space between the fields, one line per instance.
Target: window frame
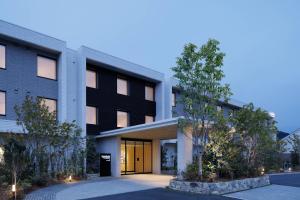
pixel 128 87
pixel 56 106
pixel 97 116
pixel 4 68
pixel 5 100
pixel 50 58
pixel 153 92
pixel 97 79
pixel 128 118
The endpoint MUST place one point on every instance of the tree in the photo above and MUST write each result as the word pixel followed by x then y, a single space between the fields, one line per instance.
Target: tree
pixel 295 154
pixel 257 132
pixel 92 157
pixel 15 157
pixel 223 154
pixel 54 146
pixel 38 124
pixel 199 71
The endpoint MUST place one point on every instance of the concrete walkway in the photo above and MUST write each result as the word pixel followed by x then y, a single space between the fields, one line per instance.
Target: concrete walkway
pixel 101 187
pixel 125 184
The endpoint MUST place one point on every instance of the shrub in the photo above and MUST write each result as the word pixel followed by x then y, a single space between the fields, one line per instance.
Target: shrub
pixel 191 172
pixel 26 184
pixel 294 159
pixel 5 194
pixel 40 180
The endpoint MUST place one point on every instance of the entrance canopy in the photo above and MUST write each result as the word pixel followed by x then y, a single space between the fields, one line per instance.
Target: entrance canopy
pixel 135 148
pixel 164 129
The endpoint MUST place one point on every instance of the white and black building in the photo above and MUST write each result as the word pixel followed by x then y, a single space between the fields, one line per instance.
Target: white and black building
pixel 125 106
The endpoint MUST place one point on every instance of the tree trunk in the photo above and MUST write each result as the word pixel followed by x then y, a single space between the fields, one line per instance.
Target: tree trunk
pixel 200 164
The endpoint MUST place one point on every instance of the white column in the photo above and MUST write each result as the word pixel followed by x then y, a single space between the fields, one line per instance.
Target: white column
pixel 168 99
pixel 156 156
pixel 81 96
pixel 116 170
pixel 184 150
pixel 81 91
pixel 111 145
pixel 62 86
pixel 160 100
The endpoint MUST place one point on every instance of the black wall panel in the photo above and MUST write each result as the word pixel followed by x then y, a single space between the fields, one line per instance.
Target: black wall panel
pixel 106 99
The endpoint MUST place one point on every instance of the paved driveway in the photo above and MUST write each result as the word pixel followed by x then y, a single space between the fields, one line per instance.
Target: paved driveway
pixel 161 194
pixel 148 187
pixel 287 179
pixel 284 187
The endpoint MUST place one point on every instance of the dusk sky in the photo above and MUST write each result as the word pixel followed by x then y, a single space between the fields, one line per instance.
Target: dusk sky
pixel 261 39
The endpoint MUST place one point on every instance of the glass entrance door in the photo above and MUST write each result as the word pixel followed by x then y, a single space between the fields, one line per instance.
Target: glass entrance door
pixel 136 156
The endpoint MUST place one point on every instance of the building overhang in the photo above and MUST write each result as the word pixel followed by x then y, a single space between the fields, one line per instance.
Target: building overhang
pixel 31 38
pixel 163 129
pixel 95 57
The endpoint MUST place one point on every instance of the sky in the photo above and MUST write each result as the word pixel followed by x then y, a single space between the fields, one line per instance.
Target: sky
pixel 261 39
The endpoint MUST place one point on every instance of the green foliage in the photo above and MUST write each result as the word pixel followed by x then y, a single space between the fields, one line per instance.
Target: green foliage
pixel 295 154
pixel 16 158
pixel 164 152
pixel 40 180
pixel 200 74
pixel 191 172
pixel 257 132
pixel 48 149
pixel 295 159
pixel 92 157
pixel 242 144
pixel 224 151
pixel 295 141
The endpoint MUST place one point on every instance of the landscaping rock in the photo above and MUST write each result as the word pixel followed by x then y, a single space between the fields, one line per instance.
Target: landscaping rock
pixel 219 187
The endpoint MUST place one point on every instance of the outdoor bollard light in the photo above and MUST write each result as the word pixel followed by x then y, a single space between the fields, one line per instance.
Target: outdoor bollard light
pixel 262 171
pixel 13 188
pixel 290 169
pixel 70 178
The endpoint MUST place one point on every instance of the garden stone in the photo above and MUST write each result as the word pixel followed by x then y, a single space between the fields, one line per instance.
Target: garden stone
pixel 219 188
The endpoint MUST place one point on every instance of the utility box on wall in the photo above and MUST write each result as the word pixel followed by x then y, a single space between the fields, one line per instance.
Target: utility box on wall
pixel 105 164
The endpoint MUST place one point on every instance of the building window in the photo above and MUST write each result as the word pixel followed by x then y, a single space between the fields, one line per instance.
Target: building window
pixel 2 56
pixel 149 93
pixel 2 103
pixel 122 86
pixel 173 99
pixel 50 104
pixel 219 108
pixel 122 119
pixel 46 67
pixel 91 79
pixel 149 119
pixel 91 115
